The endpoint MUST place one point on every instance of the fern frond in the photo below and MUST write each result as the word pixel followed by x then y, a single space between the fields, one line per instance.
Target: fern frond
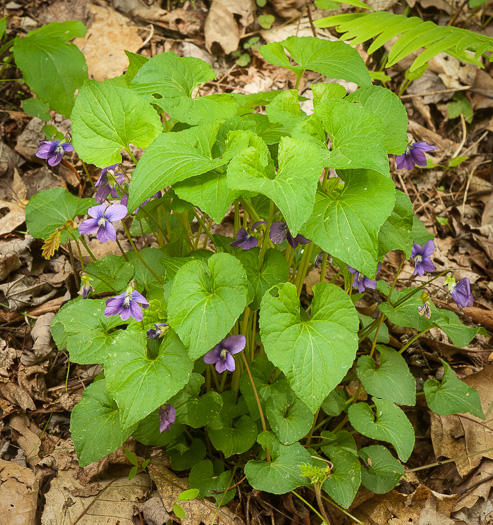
pixel 415 34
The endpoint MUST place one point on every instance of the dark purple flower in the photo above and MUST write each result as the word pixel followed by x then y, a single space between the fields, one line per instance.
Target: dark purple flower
pixel 167 417
pixel 158 332
pixel 362 282
pixel 53 151
pixel 222 354
pixel 279 232
pixel 421 256
pixel 461 293
pixel 414 154
pixel 244 240
pixel 102 217
pixel 107 183
pixel 86 287
pixel 126 305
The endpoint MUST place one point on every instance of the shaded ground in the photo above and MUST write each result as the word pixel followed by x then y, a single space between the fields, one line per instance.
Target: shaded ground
pixel 38 388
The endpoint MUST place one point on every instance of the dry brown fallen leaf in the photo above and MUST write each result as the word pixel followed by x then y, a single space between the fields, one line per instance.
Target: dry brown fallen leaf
pixel 221 27
pixel 11 217
pixel 461 434
pixel 19 494
pixel 111 500
pixel 107 38
pixel 424 506
pixel 475 490
pixel 169 486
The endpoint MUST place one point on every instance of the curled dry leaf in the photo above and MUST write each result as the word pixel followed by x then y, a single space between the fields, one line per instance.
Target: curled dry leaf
pixel 43 344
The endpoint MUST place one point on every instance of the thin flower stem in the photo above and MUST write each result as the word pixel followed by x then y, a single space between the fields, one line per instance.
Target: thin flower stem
pixel 72 262
pixel 416 290
pixel 324 181
pixel 129 237
pixel 208 378
pixel 308 505
pixel 102 280
pixel 84 243
pixel 291 257
pixel 312 430
pixel 417 336
pixel 305 261
pixel 287 252
pixel 223 382
pixel 323 268
pixel 444 462
pixel 344 511
pixel 89 178
pixel 249 208
pixel 134 160
pixel 245 322
pixel 235 380
pixel 204 226
pixel 259 405
pixel 335 277
pixel 374 343
pixel 252 338
pixel 317 487
pixel 395 279
pixel 121 249
pixel 265 238
pixel 237 218
pixel 78 249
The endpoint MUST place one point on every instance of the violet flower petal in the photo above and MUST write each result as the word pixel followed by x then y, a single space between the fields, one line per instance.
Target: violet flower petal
pixel 234 343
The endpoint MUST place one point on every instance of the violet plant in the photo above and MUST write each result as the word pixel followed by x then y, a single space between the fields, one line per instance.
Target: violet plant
pixel 205 332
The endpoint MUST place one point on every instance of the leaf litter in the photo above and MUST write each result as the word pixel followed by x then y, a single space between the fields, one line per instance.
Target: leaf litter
pixel 453 201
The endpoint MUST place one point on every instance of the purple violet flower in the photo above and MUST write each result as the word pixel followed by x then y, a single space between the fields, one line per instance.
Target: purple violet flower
pixel 244 240
pixel 107 183
pixel 167 417
pixel 222 354
pixel 279 232
pixel 102 217
pixel 158 332
pixel 414 154
pixel 53 151
pixel 126 305
pixel 421 256
pixel 362 282
pixel 461 293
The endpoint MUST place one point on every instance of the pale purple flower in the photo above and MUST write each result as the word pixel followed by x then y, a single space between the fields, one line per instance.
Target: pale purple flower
pixel 414 154
pixel 421 256
pixel 279 232
pixel 100 223
pixel 53 151
pixel 222 354
pixel 158 332
pixel 167 417
pixel 362 282
pixel 107 183
pixel 126 305
pixel 461 293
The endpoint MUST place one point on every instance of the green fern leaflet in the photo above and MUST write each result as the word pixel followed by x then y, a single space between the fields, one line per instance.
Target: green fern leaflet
pixel 415 34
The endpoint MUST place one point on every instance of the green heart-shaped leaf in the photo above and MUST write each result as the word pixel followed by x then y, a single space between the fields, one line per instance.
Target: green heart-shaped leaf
pixel 139 383
pixel 205 301
pixel 390 424
pixel 95 425
pixel 392 380
pixel 316 353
